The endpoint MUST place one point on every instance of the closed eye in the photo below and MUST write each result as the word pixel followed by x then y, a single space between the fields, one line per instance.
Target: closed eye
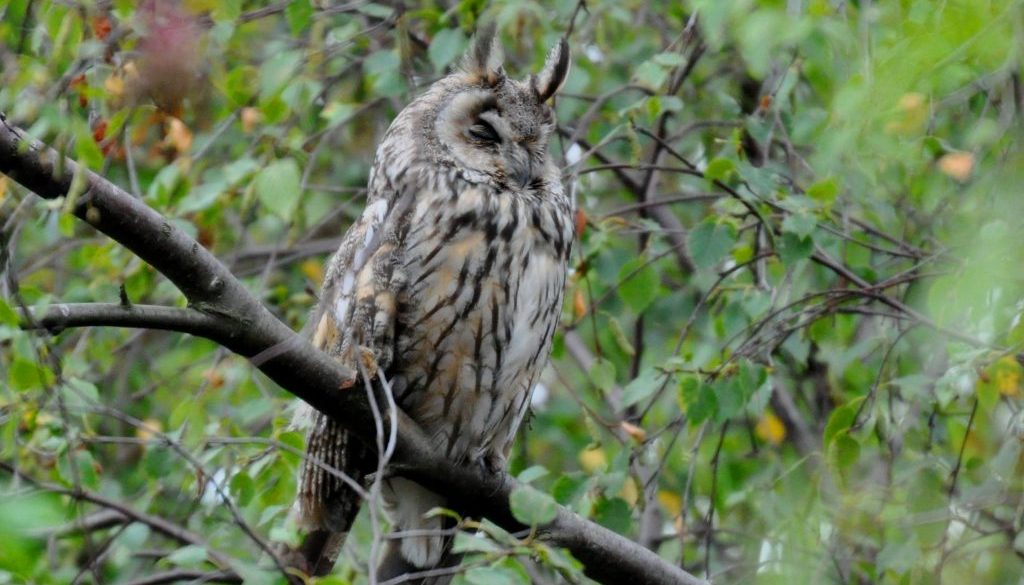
pixel 483 131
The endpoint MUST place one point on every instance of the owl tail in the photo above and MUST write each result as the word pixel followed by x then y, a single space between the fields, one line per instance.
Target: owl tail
pixel 326 504
pixel 394 565
pixel 429 551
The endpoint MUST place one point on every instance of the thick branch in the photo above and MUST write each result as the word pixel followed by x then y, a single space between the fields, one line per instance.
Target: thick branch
pixel 307 373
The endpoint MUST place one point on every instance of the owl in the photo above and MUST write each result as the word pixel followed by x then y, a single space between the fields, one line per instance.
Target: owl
pixel 446 292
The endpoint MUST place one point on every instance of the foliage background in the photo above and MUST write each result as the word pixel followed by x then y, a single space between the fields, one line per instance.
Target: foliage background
pixel 790 344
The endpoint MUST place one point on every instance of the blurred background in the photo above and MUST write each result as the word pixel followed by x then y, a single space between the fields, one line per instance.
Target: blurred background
pixel 790 348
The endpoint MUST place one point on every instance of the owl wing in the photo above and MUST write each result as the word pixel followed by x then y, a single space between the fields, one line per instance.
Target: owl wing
pixel 354 323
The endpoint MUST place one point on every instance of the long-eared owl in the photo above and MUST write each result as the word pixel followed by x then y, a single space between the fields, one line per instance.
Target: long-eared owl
pixel 448 288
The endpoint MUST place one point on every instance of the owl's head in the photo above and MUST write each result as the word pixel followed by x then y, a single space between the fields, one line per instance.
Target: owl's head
pixel 488 126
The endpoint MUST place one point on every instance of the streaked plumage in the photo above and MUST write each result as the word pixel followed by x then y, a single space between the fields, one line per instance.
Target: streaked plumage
pixel 449 285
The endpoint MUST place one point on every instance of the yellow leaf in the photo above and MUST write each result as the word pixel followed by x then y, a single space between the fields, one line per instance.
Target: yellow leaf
pixel 250 117
pixel 911 102
pixel 148 429
pixel 178 136
pixel 313 270
pixel 3 188
pixel 638 434
pixel 957 165
pixel 770 429
pixel 1007 376
pixel 593 459
pixel 214 378
pixel 671 501
pixel 912 114
pixel 114 85
pixel 579 304
pixel 629 492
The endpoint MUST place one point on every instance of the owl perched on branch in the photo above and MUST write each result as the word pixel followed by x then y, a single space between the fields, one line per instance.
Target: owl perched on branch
pixel 447 291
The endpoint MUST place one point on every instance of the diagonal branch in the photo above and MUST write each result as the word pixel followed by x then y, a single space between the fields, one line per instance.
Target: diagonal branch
pixel 291 362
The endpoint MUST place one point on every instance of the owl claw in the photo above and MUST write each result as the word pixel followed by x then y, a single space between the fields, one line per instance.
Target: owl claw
pixel 368 361
pixel 369 479
pixel 492 463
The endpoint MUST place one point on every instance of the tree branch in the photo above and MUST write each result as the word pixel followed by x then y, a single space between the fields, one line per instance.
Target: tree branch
pixel 56 318
pixel 161 525
pixel 188 575
pixel 290 361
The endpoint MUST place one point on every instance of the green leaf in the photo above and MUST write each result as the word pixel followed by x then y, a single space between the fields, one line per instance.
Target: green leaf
pixel 239 85
pixel 66 224
pixel 639 284
pixel 165 182
pixel 651 75
pixel 824 191
pixel 730 396
pixel 845 451
pixel 614 514
pixel 709 242
pixel 642 387
pixel 337 112
pixel 800 224
pixel 471 543
pixel 446 46
pixel 28 375
pixel 792 248
pixel 298 14
pixel 86 150
pixel 7 315
pixel 84 471
pixel 568 488
pixel 697 399
pixel 277 187
pixel 384 69
pixel 621 339
pixel 242 488
pixel 188 556
pixel 669 59
pixel 899 555
pixel 719 169
pixel 201 197
pixel 157 462
pixel 531 473
pixel 297 442
pixel 277 72
pixel 376 10
pixel 602 374
pixel 840 420
pixel 532 506
pixel 497 575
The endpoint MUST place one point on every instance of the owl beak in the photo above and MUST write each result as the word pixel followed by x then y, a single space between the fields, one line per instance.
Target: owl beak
pixel 520 167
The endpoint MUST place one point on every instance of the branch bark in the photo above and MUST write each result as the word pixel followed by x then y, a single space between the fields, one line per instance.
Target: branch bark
pixel 219 305
pixel 56 318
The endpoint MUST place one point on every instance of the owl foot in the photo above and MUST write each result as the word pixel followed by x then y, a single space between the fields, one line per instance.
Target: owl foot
pixel 368 362
pixel 492 463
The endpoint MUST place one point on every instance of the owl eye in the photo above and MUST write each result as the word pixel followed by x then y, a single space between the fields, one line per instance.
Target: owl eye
pixel 484 131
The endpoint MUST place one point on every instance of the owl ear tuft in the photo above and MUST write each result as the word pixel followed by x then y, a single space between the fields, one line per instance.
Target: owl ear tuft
pixel 555 71
pixel 485 55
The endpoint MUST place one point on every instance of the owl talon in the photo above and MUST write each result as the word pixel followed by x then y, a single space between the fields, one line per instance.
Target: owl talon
pixel 493 463
pixel 368 361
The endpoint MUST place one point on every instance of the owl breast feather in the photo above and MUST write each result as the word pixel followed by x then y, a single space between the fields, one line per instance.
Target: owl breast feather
pixel 485 273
